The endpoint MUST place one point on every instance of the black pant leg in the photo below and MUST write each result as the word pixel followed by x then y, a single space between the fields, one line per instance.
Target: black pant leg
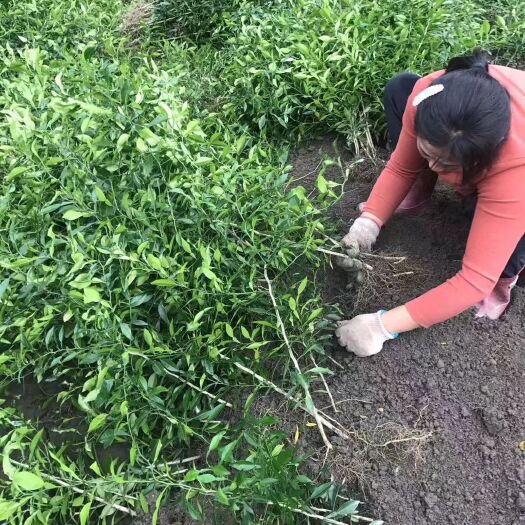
pixel 397 91
pixel 516 262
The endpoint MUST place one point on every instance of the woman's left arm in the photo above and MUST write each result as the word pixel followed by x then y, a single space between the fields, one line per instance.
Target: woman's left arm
pixel 497 227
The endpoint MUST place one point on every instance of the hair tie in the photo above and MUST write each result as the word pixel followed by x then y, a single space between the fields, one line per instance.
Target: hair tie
pixel 430 91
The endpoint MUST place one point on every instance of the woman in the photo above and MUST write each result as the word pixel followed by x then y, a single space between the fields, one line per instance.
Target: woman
pixel 465 126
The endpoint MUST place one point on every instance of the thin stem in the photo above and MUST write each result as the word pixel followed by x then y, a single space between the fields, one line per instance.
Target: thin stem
pixel 325 386
pixel 195 387
pixel 62 483
pixel 313 411
pixel 404 440
pixel 326 519
pixel 344 256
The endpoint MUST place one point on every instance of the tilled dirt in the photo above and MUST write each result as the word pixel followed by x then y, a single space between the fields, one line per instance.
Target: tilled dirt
pixel 447 403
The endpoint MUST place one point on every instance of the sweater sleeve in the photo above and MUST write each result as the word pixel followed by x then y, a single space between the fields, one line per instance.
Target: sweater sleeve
pixel 498 226
pixel 404 165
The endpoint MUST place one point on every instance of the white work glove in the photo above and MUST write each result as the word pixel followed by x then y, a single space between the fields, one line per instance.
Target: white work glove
pixel 363 335
pixel 362 235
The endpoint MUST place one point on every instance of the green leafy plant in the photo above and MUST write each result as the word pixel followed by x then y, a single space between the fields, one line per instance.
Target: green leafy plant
pixel 506 20
pixel 135 270
pixel 197 20
pixel 318 65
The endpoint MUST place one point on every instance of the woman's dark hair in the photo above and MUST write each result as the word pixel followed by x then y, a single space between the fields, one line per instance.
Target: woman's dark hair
pixel 470 118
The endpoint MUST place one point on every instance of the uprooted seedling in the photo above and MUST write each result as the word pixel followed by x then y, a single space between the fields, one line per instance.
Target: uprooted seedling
pixel 386 273
pixel 134 21
pixel 370 275
pixel 391 443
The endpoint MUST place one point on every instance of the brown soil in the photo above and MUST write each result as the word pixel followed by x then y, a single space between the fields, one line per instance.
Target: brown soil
pixel 454 394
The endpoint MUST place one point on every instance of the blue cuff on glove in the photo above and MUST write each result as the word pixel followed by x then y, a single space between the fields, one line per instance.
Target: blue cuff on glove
pixel 394 336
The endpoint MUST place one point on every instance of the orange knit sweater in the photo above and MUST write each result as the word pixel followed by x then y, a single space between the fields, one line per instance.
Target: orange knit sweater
pixel 499 220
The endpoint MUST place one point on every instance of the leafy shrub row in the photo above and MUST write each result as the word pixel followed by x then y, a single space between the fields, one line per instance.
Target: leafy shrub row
pixel 142 210
pixel 305 67
pixel 136 242
pixel 198 20
pixel 321 65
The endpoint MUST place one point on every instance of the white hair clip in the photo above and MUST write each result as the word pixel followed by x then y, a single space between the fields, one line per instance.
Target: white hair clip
pixel 430 91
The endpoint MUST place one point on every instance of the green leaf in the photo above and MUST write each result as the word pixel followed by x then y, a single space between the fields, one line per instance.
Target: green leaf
pixel 208 273
pixel 91 295
pixel 210 414
pixel 126 331
pixel 96 469
pixel 191 475
pixel 214 443
pixel 186 246
pixel 221 497
pixel 36 440
pixel 143 503
pixel 226 452
pixel 72 215
pixel 240 143
pixel 97 422
pixel 84 513
pixel 122 141
pixel 158 503
pixel 15 172
pixel 7 466
pixel 154 262
pixel 133 455
pixel 148 338
pixel 220 471
pixel 245 466
pixel 229 331
pixel 7 509
pixel 101 197
pixel 321 490
pixel 3 287
pixel 292 304
pixel 309 404
pixel 277 450
pixel 302 286
pixel 315 313
pixel 501 21
pixel 345 510
pixel 301 478
pixel 141 146
pixel 165 283
pixel 89 52
pixel 322 185
pixel 202 161
pixel 27 480
pixel 320 370
pixel 206 478
pixel 158 450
